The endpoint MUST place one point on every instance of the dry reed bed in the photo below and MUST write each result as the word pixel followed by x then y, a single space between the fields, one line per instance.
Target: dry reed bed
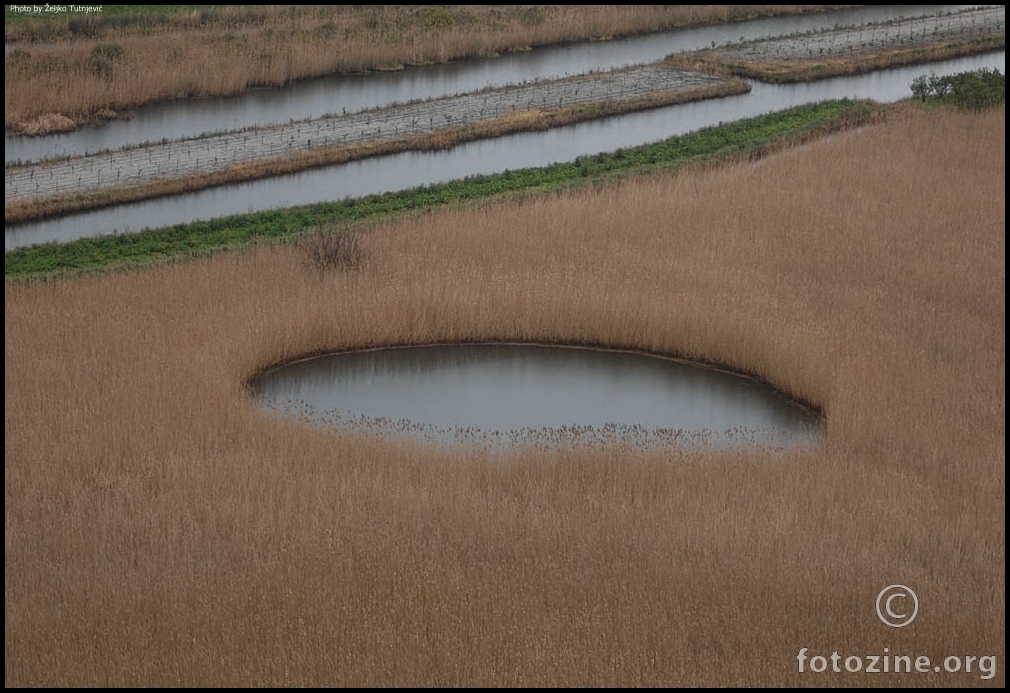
pixel 58 85
pixel 160 530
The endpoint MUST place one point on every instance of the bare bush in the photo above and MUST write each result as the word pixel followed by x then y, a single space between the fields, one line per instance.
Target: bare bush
pixel 334 249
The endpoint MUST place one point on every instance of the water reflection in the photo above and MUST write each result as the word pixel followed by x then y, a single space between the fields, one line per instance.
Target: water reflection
pixel 413 169
pixel 314 98
pixel 524 393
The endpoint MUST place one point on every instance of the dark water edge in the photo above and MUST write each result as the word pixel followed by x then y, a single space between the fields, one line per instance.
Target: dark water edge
pixel 510 396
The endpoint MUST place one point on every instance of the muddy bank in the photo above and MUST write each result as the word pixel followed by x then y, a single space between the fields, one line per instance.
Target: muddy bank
pixel 77 183
pixel 108 178
pixel 852 50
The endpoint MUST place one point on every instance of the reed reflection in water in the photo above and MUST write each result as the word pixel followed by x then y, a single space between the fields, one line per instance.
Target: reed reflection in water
pixel 534 394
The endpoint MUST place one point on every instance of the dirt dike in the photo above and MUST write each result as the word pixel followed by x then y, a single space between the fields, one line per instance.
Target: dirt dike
pixel 113 177
pixel 849 50
pixel 337 137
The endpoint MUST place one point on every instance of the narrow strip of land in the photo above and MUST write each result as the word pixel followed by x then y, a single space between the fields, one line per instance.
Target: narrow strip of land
pixel 339 137
pixel 851 50
pixel 57 187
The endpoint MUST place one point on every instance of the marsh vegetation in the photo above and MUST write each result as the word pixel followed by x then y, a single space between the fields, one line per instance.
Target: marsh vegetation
pixel 160 530
pixel 66 70
pixel 752 137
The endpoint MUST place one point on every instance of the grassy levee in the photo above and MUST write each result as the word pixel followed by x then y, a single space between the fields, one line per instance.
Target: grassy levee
pixel 160 529
pixel 730 139
pixel 304 159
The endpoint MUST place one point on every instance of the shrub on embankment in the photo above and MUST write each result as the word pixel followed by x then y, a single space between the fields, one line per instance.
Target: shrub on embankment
pixel 730 139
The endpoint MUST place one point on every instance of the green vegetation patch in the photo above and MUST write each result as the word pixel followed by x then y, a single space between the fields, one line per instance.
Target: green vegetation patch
pixel 208 236
pixel 982 88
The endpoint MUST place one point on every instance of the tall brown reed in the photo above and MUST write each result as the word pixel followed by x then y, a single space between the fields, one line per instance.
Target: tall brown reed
pixel 161 530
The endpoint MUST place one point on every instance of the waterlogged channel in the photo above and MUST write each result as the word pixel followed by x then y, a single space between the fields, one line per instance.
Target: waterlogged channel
pixel 314 98
pixel 413 169
pixel 524 394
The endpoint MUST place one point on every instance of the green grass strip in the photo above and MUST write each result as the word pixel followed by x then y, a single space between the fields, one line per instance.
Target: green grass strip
pixel 226 232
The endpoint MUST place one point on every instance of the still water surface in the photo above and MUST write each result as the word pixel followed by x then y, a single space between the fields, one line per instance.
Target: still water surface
pixel 413 169
pixel 317 97
pixel 524 393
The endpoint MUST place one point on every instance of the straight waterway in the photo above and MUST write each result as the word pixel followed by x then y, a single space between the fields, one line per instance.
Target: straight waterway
pixel 353 93
pixel 524 150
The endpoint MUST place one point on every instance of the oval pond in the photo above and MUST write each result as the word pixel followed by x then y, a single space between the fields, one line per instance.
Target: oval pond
pixel 534 393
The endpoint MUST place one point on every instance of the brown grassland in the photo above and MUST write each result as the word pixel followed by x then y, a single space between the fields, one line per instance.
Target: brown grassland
pixel 161 530
pixel 82 68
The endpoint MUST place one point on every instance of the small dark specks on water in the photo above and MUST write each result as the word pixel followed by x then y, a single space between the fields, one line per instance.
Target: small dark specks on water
pixel 518 396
